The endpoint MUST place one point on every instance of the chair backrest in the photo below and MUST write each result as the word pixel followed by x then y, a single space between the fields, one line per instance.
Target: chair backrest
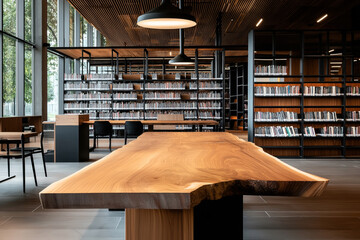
pixel 134 128
pixel 102 128
pixel 168 117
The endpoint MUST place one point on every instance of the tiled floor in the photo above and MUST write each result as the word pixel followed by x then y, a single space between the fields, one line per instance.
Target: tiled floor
pixel 335 215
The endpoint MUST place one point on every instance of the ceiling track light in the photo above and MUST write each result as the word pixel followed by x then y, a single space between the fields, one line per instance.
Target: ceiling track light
pixel 166 16
pixel 322 18
pixel 259 22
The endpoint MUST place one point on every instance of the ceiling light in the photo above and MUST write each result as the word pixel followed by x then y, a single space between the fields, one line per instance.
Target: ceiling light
pixel 335 62
pixel 332 50
pixel 166 16
pixel 181 59
pixel 322 18
pixel 355 60
pixel 259 22
pixel 335 66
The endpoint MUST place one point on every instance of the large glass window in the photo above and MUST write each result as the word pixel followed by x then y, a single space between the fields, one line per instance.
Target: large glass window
pixel 52 22
pixel 53 86
pixel 83 32
pixel 9 16
pixel 9 82
pixel 71 25
pixel 28 20
pixel 28 80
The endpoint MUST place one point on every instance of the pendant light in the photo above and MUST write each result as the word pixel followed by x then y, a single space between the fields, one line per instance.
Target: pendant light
pixel 166 16
pixel 181 59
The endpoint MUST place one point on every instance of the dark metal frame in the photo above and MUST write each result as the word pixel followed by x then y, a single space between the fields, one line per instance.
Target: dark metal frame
pixel 345 55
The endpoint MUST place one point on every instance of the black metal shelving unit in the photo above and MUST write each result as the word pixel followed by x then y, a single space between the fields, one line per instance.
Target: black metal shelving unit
pixel 323 49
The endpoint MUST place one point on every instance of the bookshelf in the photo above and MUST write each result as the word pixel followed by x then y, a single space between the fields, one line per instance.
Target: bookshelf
pixel 238 96
pixel 304 96
pixel 143 97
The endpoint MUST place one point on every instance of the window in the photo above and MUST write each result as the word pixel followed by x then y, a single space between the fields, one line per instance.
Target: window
pixel 83 32
pixel 9 16
pixel 52 22
pixel 53 86
pixel 28 80
pixel 71 26
pixel 9 82
pixel 28 20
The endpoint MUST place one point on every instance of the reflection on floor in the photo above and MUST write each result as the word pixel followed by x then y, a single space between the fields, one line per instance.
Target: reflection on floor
pixel 335 215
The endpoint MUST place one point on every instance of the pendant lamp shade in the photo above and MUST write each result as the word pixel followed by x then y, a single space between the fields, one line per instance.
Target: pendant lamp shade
pixel 166 16
pixel 181 59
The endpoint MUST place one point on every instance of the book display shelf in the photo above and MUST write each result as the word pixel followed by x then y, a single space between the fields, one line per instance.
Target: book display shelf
pixel 238 96
pixel 304 96
pixel 143 97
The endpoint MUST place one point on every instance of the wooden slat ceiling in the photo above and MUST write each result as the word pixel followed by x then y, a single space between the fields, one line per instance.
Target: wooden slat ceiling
pixel 116 19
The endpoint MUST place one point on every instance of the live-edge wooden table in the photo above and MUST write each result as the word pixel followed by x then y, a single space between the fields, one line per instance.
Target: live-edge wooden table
pixel 15 137
pixel 181 185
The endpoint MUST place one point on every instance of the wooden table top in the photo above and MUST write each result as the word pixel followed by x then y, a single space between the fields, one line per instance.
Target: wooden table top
pixel 17 135
pixel 160 122
pixel 177 170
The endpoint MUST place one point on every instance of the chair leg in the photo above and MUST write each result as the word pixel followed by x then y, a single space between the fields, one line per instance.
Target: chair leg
pixel 8 162
pixel 23 168
pixel 33 168
pixel 94 141
pixel 110 142
pixel 125 138
pixel 43 158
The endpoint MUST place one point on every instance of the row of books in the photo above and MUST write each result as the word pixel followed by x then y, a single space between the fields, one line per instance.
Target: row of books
pixel 205 85
pixel 321 116
pixel 91 105
pixel 270 70
pixel 206 95
pixel 276 131
pixel 165 85
pixel 353 90
pixel 290 131
pixel 162 95
pixel 277 91
pixel 353 131
pixel 125 96
pixel 86 86
pixel 282 116
pixel 322 91
pixel 353 115
pixel 86 96
pixel 324 116
pixel 124 86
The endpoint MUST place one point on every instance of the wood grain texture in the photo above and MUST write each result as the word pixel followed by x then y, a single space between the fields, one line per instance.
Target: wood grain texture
pixel 17 135
pixel 177 170
pixel 168 117
pixel 155 224
pixel 71 119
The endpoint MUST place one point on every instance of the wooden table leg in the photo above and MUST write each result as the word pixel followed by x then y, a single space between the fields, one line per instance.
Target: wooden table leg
pixel 159 224
pixel 210 220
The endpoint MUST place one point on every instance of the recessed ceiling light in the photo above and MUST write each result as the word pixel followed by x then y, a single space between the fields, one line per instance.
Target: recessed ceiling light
pixel 335 62
pixel 332 50
pixel 335 66
pixel 259 22
pixel 322 18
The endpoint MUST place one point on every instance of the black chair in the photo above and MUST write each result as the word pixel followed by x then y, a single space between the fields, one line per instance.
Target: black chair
pixel 22 154
pixel 133 129
pixel 102 128
pixel 35 150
